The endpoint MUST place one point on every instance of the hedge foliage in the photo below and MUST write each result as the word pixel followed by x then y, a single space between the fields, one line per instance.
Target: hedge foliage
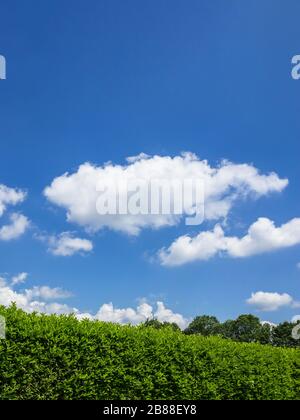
pixel 59 357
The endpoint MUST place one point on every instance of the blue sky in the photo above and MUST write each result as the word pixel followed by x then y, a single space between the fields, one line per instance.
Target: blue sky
pixel 104 80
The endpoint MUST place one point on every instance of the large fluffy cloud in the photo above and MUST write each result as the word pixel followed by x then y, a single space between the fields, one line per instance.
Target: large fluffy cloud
pixel 263 236
pixel 224 184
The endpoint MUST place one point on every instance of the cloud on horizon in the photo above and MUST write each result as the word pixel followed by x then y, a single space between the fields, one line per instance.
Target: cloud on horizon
pixel 41 299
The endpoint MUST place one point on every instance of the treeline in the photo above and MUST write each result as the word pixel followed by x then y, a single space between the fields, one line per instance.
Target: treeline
pixel 246 329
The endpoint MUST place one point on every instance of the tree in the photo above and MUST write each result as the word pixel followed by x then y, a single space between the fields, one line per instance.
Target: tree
pixel 282 335
pixel 264 334
pixel 205 325
pixel 247 328
pixel 154 323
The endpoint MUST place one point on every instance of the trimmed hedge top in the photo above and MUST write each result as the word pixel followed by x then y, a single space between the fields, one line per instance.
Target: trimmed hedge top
pixel 59 357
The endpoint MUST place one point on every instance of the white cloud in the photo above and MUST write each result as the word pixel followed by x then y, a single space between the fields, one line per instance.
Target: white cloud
pixel 18 226
pixel 186 249
pixel 267 302
pixel 19 278
pixel 263 236
pixel 18 223
pixel 30 299
pixel 224 184
pixel 108 313
pixel 271 324
pixel 10 197
pixel 66 245
pixel 39 299
pixel 164 314
pixel 144 311
pixel 47 293
pixel 296 318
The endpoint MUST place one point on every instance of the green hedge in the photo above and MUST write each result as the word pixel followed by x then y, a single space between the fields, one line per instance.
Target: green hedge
pixel 58 357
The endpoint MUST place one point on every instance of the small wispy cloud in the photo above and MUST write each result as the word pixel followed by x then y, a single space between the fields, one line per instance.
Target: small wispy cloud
pixel 66 244
pixel 19 278
pixel 17 227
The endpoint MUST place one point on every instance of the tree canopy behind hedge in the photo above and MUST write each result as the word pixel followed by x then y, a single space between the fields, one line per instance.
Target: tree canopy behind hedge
pixel 59 357
pixel 247 329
